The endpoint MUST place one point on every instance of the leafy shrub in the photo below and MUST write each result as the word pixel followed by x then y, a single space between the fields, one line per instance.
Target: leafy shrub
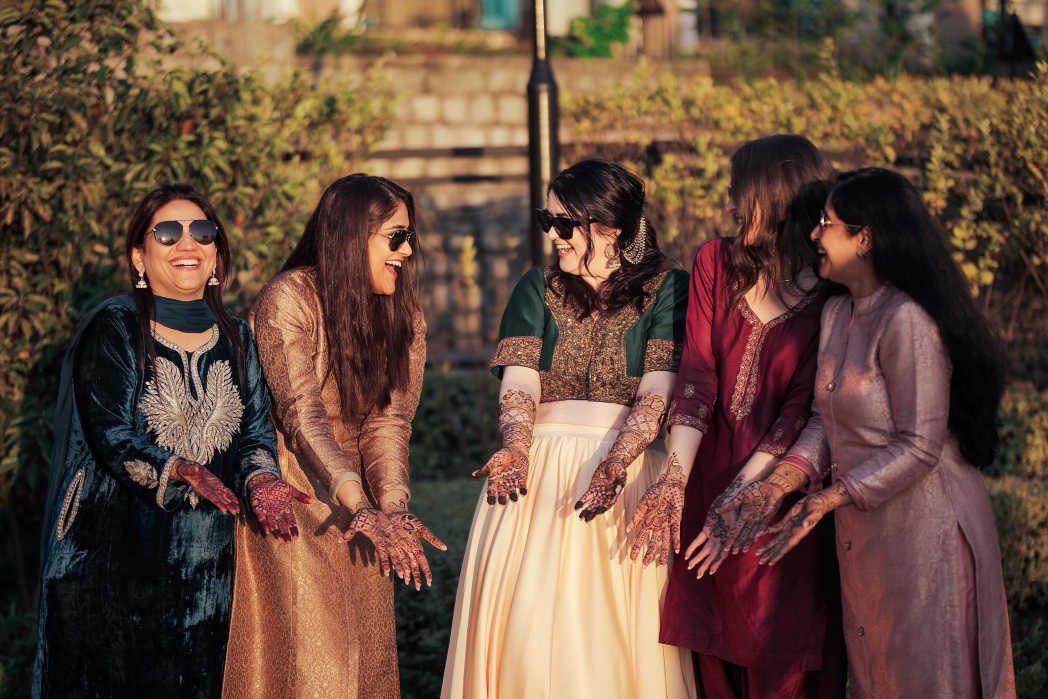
pixel 596 35
pixel 455 430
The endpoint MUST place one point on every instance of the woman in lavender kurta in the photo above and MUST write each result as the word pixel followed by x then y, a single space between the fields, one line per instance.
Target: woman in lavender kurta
pixel 743 395
pixel 907 392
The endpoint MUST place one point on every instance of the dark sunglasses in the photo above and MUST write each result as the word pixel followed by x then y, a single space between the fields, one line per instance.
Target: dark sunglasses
pixel 168 233
pixel 397 238
pixel 565 226
pixel 825 222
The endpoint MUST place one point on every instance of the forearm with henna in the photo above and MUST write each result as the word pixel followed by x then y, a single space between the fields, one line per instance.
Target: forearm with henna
pixel 638 432
pixel 507 470
pixel 659 514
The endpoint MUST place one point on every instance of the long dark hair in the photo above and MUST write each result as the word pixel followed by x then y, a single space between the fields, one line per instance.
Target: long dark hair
pixel 910 252
pixel 139 227
pixel 369 335
pixel 612 197
pixel 786 179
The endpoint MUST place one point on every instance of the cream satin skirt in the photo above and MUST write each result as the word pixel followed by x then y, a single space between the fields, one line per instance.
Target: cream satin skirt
pixel 550 606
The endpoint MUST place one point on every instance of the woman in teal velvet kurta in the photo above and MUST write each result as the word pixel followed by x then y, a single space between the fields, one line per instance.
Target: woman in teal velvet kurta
pixel 152 452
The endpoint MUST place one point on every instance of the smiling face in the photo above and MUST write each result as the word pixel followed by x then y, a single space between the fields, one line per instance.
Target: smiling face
pixel 838 247
pixel 386 264
pixel 178 271
pixel 571 253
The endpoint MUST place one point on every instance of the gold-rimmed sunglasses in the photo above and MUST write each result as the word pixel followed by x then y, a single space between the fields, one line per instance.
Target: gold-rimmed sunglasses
pixel 825 222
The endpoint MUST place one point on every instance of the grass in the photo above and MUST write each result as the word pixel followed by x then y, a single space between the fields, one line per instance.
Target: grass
pixel 424 617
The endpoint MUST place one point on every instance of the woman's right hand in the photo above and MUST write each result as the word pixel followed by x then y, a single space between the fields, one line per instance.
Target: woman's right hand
pixel 373 524
pixel 507 474
pixel 206 485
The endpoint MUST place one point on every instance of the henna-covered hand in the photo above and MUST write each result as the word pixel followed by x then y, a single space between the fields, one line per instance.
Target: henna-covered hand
pixel 271 503
pixel 799 522
pixel 206 485
pixel 507 470
pixel 714 532
pixel 757 503
pixel 639 430
pixel 407 533
pixel 658 515
pixel 603 490
pixel 374 525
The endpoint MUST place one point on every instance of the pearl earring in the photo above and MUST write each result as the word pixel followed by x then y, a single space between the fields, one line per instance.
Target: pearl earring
pixel 141 283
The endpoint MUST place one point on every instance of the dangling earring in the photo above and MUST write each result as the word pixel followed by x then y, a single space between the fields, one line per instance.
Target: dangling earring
pixel 634 252
pixel 611 252
pixel 213 281
pixel 141 283
pixel 861 254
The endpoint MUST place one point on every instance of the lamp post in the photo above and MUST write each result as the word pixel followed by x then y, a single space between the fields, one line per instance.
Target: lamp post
pixel 543 136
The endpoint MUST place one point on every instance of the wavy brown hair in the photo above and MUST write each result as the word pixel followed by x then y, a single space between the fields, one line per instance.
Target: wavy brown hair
pixel 369 335
pixel 910 251
pixel 138 228
pixel 779 184
pixel 611 197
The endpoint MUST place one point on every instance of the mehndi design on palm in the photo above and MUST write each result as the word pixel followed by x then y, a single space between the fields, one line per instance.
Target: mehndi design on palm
pixel 271 502
pixel 714 531
pixel 407 533
pixel 507 469
pixel 374 525
pixel 797 524
pixel 757 504
pixel 658 515
pixel 638 432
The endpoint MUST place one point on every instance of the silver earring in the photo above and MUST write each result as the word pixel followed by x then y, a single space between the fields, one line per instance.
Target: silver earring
pixel 612 254
pixel 141 283
pixel 213 281
pixel 861 254
pixel 634 252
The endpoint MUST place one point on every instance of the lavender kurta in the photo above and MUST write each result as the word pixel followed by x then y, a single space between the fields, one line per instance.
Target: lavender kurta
pixel 883 396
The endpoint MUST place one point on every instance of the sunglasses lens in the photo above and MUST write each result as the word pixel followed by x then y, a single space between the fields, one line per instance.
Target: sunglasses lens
pixel 398 238
pixel 204 232
pixel 167 232
pixel 545 220
pixel 565 226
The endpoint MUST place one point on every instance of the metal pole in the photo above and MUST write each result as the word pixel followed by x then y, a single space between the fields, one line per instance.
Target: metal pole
pixel 543 136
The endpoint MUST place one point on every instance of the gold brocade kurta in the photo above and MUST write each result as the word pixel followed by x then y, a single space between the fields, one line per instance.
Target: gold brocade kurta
pixel 883 395
pixel 314 618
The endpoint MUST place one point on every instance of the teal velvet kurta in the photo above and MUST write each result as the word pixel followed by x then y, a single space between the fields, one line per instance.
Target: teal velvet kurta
pixel 137 583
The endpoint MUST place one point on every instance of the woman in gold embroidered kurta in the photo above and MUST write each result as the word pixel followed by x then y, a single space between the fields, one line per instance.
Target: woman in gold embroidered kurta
pixel 550 606
pixel 907 389
pixel 317 619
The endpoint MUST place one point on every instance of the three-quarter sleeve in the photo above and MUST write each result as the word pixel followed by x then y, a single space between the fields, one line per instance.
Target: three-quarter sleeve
pixel 257 445
pixel 385 436
pixel 796 406
pixel 105 379
pixel 287 329
pixel 666 334
pixel 916 372
pixel 696 389
pixel 523 325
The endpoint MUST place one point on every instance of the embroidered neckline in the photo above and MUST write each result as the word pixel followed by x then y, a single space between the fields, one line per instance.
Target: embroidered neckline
pixel 206 347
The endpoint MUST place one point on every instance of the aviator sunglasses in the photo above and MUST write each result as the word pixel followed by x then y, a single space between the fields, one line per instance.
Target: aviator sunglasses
pixel 825 222
pixel 397 238
pixel 565 226
pixel 168 233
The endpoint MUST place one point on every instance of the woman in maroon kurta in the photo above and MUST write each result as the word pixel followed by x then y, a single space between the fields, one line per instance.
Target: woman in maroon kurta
pixel 743 396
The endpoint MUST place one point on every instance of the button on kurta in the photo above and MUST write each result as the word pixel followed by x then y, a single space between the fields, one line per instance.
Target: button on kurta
pixel 830 386
pixel 847 546
pixel 862 631
pixel 834 466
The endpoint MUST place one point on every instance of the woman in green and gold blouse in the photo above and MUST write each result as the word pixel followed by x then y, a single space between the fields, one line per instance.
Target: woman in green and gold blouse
pixel 549 602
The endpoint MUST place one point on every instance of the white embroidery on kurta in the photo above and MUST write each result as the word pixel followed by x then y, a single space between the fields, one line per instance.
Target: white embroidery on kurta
pixel 70 504
pixel 141 473
pixel 262 460
pixel 195 428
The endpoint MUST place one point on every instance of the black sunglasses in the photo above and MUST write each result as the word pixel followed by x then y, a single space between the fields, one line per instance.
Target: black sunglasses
pixel 565 226
pixel 168 233
pixel 397 238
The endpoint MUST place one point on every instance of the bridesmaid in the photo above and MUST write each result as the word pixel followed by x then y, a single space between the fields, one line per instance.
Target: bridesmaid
pixel 908 387
pixel 343 345
pixel 162 422
pixel 743 396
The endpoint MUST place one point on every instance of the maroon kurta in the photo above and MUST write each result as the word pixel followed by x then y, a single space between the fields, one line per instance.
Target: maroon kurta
pixel 749 386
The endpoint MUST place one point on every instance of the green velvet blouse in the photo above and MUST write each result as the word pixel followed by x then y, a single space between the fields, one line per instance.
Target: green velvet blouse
pixel 597 359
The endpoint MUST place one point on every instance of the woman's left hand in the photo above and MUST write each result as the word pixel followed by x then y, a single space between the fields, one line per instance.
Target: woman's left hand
pixel 604 488
pixel 407 533
pixel 713 534
pixel 271 503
